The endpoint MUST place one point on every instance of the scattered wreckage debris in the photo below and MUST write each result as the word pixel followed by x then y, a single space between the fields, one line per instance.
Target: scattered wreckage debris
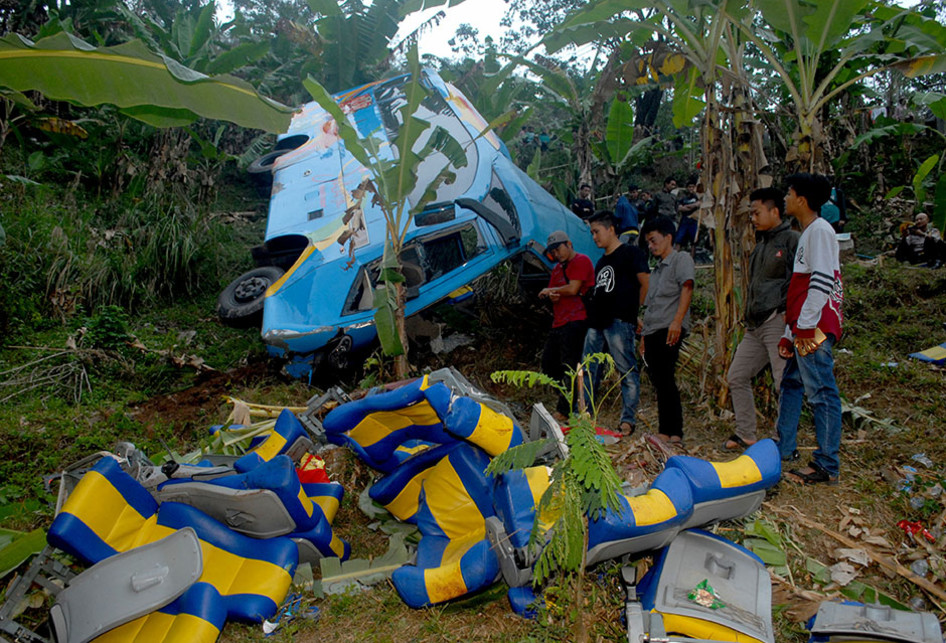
pixel 257 498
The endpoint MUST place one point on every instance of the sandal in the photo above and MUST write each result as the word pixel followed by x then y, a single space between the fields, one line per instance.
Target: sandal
pixel 737 443
pixel 815 475
pixel 626 429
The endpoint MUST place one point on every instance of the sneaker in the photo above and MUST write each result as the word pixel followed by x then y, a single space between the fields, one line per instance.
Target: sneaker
pixel 793 457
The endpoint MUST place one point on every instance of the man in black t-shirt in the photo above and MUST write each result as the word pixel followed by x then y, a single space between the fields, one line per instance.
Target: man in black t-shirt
pixel 583 206
pixel 621 279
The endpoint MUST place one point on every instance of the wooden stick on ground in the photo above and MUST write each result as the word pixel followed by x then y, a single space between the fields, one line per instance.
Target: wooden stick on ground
pixel 884 561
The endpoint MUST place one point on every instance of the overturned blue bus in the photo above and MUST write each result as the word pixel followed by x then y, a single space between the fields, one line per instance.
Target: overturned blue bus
pixel 319 263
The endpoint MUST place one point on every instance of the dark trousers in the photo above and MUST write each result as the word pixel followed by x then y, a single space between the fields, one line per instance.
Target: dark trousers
pixel 563 351
pixel 661 367
pixel 933 250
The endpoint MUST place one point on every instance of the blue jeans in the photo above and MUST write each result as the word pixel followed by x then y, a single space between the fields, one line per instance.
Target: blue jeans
pixel 618 340
pixel 811 375
pixel 686 231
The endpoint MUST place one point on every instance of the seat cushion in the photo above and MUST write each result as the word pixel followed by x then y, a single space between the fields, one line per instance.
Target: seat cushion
pixel 376 425
pixel 760 467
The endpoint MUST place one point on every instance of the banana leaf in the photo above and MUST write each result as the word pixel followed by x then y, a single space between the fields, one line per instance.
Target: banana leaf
pixel 19 546
pixel 153 87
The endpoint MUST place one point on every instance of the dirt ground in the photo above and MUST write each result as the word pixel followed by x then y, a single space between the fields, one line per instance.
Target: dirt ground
pixel 895 413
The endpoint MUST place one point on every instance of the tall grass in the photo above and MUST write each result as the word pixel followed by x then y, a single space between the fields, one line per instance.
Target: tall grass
pixel 61 255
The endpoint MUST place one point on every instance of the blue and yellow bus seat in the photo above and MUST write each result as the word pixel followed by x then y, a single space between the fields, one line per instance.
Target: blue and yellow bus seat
pixel 454 557
pixel 516 496
pixel 855 622
pixel 375 426
pixel 738 610
pixel 726 490
pixel 935 355
pixel 410 448
pixel 524 601
pixel 480 425
pixel 399 491
pixel 644 522
pixel 320 541
pixel 265 502
pixel 326 495
pixel 125 587
pixel 243 578
pixel 288 437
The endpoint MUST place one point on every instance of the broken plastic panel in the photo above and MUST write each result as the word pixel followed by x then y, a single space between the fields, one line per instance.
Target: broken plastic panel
pixel 844 621
pixel 742 589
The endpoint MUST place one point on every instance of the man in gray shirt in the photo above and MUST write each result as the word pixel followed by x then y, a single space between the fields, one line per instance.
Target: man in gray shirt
pixel 666 322
pixel 770 272
pixel 665 201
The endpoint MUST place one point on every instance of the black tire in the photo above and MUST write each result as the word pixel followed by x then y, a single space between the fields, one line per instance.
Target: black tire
pixel 264 164
pixel 241 303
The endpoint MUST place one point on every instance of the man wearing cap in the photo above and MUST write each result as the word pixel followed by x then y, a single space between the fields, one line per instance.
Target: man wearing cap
pixel 571 277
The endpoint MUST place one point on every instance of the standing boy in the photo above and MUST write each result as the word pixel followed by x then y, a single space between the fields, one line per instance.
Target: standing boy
pixel 813 326
pixel 621 278
pixel 583 206
pixel 666 322
pixel 571 278
pixel 770 271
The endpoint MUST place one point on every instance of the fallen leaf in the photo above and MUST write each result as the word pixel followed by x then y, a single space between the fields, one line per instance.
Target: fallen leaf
pixel 879 541
pixel 858 556
pixel 843 573
pixel 854 532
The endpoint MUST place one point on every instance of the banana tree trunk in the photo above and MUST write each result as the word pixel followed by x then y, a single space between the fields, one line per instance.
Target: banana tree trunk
pixel 581 148
pixel 402 365
pixel 807 153
pixel 717 176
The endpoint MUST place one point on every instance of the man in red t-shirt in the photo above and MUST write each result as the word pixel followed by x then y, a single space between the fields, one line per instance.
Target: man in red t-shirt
pixel 572 276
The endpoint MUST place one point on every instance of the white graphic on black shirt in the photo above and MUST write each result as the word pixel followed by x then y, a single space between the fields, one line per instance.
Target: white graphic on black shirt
pixel 605 279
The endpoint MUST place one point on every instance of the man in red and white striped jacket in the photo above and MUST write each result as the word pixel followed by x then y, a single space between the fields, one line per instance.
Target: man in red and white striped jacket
pixel 813 326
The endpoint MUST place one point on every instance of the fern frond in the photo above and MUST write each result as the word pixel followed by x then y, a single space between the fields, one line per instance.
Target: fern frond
pixel 518 457
pixel 592 468
pixel 526 379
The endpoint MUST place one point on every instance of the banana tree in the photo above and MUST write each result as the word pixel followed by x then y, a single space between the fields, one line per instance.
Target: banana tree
pixel 819 50
pixel 585 106
pixel 393 187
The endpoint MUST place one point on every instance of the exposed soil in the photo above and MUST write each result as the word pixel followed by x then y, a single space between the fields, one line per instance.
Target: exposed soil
pixel 205 398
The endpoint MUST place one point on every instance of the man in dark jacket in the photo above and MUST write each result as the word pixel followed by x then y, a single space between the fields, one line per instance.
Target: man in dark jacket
pixel 770 271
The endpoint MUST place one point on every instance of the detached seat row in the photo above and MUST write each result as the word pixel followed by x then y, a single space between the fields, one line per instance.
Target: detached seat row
pixel 252 523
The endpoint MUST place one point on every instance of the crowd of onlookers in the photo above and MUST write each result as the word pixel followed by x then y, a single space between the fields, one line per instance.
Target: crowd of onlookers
pixel 638 311
pixel 635 207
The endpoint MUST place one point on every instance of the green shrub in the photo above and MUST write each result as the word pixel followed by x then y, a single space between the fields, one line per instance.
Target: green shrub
pixel 108 329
